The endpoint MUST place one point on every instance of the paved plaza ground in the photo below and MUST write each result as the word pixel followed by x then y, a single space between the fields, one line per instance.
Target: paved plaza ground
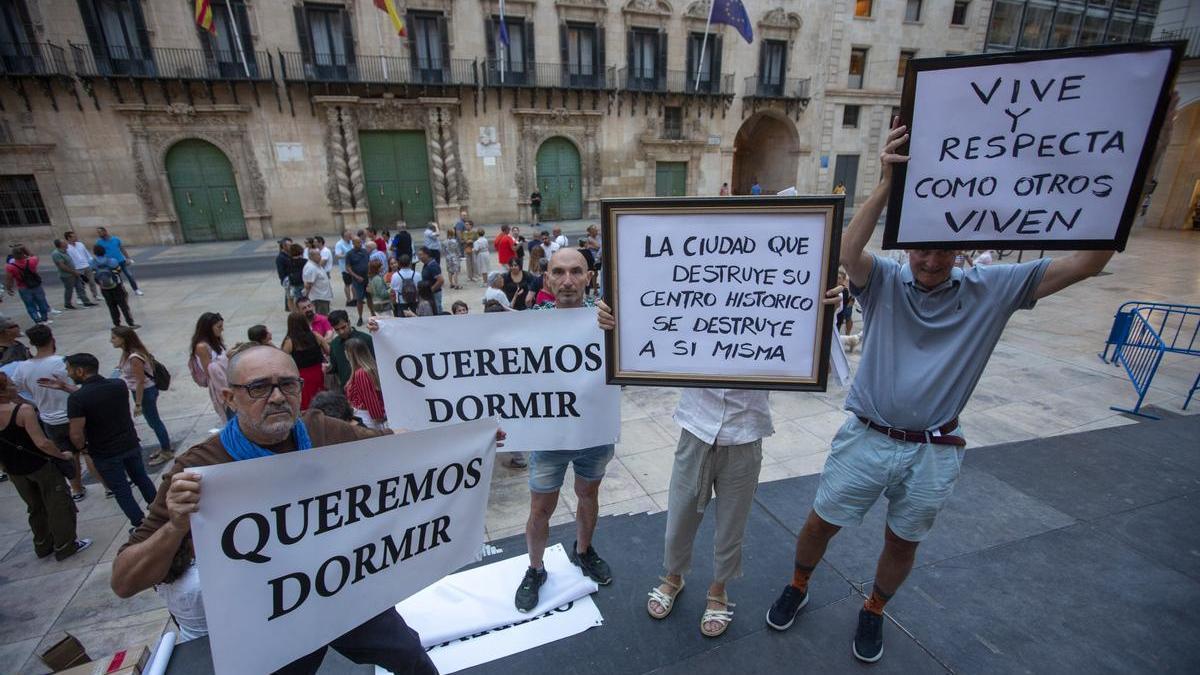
pixel 1043 380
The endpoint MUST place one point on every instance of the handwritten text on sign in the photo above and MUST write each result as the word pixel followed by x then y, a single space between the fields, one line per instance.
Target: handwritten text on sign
pixel 720 294
pixel 1036 150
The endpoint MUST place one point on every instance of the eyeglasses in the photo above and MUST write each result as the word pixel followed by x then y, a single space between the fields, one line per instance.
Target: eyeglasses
pixel 289 386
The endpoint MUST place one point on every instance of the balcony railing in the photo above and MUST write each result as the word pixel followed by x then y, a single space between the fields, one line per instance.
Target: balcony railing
pixel 675 82
pixel 333 68
pixel 549 75
pixel 790 88
pixel 171 63
pixel 32 59
pixel 1192 35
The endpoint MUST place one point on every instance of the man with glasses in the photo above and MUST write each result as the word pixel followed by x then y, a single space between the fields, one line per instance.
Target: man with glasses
pixel 264 393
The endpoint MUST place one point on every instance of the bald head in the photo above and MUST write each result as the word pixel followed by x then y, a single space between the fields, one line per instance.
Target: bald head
pixel 567 277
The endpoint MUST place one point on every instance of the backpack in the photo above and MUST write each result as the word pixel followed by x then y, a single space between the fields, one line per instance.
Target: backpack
pixel 408 289
pixel 107 277
pixel 29 276
pixel 162 376
pixel 198 375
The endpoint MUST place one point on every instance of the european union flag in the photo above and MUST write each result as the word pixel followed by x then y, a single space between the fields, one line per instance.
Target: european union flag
pixel 503 26
pixel 732 13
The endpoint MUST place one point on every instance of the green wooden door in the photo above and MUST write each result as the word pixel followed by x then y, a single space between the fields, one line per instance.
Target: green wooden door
pixel 558 180
pixel 205 192
pixel 396 173
pixel 670 179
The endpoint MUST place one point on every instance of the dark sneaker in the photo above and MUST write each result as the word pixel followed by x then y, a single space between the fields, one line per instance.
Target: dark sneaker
pixel 527 592
pixel 868 639
pixel 786 607
pixel 72 548
pixel 591 564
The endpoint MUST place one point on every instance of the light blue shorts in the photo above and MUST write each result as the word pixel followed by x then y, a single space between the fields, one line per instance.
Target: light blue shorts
pixel 917 479
pixel 548 467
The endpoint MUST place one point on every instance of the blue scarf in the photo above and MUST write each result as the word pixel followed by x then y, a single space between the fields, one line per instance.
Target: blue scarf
pixel 239 447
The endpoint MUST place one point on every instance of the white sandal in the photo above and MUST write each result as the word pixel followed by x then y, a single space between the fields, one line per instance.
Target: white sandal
pixel 667 602
pixel 720 616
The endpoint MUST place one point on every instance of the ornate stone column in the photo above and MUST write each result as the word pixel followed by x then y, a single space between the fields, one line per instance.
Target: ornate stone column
pixel 343 198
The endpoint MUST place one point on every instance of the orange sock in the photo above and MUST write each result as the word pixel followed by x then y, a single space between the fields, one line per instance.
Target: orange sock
pixel 800 577
pixel 877 600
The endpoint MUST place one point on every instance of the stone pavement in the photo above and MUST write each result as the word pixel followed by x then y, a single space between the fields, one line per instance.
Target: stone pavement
pixel 1043 380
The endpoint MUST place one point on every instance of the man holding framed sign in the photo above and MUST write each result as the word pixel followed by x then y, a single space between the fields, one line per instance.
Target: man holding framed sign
pixel 931 328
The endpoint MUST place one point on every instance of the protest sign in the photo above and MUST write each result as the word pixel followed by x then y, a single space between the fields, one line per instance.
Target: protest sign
pixel 1029 150
pixel 721 292
pixel 539 373
pixel 296 549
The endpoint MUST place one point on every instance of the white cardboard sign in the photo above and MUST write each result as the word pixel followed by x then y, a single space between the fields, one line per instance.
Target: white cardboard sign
pixel 297 549
pixel 1034 150
pixel 539 373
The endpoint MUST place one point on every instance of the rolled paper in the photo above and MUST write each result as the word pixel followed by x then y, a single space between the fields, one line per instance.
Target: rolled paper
pixel 162 655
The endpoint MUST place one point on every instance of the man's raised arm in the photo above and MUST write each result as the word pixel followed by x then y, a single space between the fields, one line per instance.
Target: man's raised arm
pixel 146 563
pixel 854 239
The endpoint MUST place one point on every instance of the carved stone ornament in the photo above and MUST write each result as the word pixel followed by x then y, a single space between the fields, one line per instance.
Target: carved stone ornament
pixel 181 111
pixel 780 20
pixel 660 7
pixel 698 10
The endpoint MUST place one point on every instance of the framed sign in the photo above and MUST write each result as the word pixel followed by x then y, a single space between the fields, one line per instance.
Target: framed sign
pixel 720 291
pixel 1042 149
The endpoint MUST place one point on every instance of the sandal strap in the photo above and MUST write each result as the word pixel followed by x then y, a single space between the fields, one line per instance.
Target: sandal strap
pixel 661 598
pixel 677 586
pixel 724 601
pixel 718 615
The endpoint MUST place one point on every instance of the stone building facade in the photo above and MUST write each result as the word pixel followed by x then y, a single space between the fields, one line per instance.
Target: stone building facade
pixel 296 117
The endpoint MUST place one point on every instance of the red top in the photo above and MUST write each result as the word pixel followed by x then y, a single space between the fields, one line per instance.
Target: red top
pixel 16 271
pixel 363 395
pixel 380 244
pixel 506 247
pixel 320 325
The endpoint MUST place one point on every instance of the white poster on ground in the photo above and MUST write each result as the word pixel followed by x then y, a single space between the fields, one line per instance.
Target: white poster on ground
pixel 297 549
pixel 539 373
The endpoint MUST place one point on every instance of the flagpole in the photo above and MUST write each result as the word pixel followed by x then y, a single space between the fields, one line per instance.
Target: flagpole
pixel 503 47
pixel 237 38
pixel 704 44
pixel 382 55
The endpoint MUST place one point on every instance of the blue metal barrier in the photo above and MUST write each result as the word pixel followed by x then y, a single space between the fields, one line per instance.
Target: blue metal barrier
pixel 1142 332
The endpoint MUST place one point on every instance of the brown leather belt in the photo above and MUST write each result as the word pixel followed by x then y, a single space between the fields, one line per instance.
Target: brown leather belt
pixel 937 436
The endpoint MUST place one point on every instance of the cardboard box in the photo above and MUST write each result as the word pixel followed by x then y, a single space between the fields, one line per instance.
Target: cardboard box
pixel 66 653
pixel 129 661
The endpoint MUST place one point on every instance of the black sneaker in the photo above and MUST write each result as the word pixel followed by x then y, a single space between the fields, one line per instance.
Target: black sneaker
pixel 591 564
pixel 783 613
pixel 868 639
pixel 72 548
pixel 527 592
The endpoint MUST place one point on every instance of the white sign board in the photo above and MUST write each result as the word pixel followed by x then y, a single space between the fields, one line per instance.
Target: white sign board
pixel 1032 150
pixel 289 152
pixel 725 297
pixel 297 549
pixel 540 374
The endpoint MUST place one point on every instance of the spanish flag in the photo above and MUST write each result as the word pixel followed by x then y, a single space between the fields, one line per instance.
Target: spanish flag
pixel 393 13
pixel 204 16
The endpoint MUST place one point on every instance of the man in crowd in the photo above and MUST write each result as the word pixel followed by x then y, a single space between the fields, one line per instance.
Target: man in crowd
pixel 932 328
pixel 431 273
pixel 549 246
pixel 374 253
pixel 318 322
pixel 113 248
pixel 567 278
pixel 11 348
pixel 560 240
pixel 317 286
pixel 326 254
pixel 506 246
pixel 101 425
pixel 358 262
pixel 264 390
pixel 21 273
pixel 339 365
pixel 81 258
pixel 340 249
pixel 71 279
pixel 283 267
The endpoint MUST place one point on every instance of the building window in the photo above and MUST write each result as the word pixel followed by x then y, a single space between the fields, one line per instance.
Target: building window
pixel 1149 7
pixel 906 55
pixel 912 11
pixel 709 67
pixel 1037 25
pixel 512 63
pixel 863 7
pixel 427 46
pixel 858 68
pixel 234 57
pixel 643 58
pixel 582 54
pixel 330 43
pixel 120 44
pixel 1141 30
pixel 1094 23
pixel 673 122
pixel 1066 24
pixel 1119 27
pixel 21 202
pixel 773 69
pixel 958 16
pixel 850 116
pixel 1005 24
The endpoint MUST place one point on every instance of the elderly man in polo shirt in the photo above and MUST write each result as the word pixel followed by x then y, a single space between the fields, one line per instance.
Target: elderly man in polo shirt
pixel 930 329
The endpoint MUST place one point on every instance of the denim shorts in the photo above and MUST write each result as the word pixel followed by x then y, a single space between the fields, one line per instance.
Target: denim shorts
pixel 548 467
pixel 916 478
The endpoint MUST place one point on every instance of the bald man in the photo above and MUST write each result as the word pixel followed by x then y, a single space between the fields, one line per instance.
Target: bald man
pixel 567 278
pixel 264 392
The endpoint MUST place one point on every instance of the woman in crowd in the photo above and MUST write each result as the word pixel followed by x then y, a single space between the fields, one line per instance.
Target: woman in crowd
pixel 261 335
pixel 381 293
pixel 309 351
pixel 451 258
pixel 208 361
pixel 495 293
pixel 393 267
pixel 483 257
pixel 137 369
pixel 536 255
pixel 424 301
pixel 543 294
pixel 516 285
pixel 363 390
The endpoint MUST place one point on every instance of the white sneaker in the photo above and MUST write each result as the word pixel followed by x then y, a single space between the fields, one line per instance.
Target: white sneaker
pixel 138 292
pixel 55 311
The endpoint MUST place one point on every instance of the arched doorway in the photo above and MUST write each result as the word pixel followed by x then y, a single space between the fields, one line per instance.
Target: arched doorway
pixel 205 192
pixel 558 176
pixel 766 148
